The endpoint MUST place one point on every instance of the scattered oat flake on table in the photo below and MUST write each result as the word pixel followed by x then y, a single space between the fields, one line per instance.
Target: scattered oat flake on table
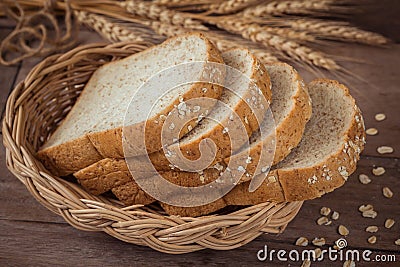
pixel 335 215
pixel 364 179
pixel 325 211
pixel 349 263
pixel 363 208
pixel 317 253
pixel 322 220
pixel 343 230
pixel 302 242
pixel 389 223
pixel 372 239
pixel 369 214
pixel 380 117
pixel 378 171
pixel 372 229
pixel 319 241
pixel 306 263
pixel 387 192
pixel 397 242
pixel 385 149
pixel 372 131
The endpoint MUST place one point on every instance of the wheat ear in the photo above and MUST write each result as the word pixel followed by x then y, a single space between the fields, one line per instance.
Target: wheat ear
pixel 160 13
pixel 297 7
pixel 225 45
pixel 337 31
pixel 296 51
pixel 169 30
pixel 109 29
pixel 230 6
pixel 179 3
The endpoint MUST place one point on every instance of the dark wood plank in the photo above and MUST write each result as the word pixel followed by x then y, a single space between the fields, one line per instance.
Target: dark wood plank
pixel 345 200
pixel 380 16
pixel 41 244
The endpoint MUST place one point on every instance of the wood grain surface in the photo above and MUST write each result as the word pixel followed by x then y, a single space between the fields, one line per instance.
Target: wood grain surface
pixel 30 235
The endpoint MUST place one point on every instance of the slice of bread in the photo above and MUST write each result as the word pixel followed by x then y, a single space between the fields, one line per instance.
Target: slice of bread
pixel 240 110
pixel 99 177
pixel 92 129
pixel 326 156
pixel 291 110
pixel 290 106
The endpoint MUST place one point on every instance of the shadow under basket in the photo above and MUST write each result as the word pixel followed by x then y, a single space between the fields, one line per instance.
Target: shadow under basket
pixel 39 103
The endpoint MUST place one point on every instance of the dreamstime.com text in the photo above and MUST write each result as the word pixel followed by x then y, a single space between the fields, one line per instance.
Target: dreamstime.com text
pixel 330 254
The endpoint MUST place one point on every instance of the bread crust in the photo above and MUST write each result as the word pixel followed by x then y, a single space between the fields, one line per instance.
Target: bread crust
pixel 92 147
pixel 66 158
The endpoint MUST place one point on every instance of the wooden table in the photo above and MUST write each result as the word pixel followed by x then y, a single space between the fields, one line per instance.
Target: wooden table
pixel 30 235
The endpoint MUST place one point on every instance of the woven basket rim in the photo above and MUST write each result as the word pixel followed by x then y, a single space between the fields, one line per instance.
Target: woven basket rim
pixel 31 114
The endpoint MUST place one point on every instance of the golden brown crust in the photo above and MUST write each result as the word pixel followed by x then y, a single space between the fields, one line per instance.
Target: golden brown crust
pixel 104 175
pixel 74 155
pixel 130 194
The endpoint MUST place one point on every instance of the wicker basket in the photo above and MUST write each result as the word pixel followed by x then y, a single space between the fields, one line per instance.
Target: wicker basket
pixel 42 100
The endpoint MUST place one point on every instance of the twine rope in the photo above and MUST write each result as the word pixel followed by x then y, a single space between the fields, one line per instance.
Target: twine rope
pixel 31 28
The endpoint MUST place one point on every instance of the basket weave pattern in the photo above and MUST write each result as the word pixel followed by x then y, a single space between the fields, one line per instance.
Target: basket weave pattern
pixel 42 100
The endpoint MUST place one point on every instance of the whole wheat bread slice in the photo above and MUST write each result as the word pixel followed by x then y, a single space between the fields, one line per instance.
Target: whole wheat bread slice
pixel 254 82
pixel 290 107
pixel 92 129
pixel 326 156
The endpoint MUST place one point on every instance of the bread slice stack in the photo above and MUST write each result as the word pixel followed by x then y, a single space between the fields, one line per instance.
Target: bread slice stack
pixel 317 132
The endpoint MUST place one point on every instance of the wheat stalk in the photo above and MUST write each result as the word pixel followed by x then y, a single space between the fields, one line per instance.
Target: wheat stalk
pixel 303 36
pixel 296 7
pixel 225 45
pixel 162 14
pixel 165 29
pixel 169 30
pixel 230 6
pixel 336 31
pixel 257 34
pixel 111 30
pixel 179 3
